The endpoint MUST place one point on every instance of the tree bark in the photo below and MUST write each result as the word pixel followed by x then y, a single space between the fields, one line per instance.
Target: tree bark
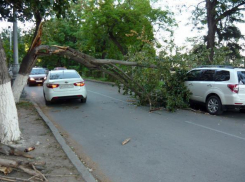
pixel 119 46
pixel 213 19
pixel 24 166
pixel 212 27
pixel 9 125
pixel 27 63
pixel 8 150
pixel 86 60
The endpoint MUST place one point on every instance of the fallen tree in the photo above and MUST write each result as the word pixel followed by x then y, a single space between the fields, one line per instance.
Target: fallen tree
pixel 132 82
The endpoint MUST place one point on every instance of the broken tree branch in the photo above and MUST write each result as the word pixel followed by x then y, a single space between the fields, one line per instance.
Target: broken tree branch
pixel 8 150
pixel 6 178
pixel 86 60
pixel 24 166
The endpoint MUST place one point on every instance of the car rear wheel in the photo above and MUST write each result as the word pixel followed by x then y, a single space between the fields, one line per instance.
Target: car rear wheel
pixel 214 105
pixel 46 102
pixel 84 100
pixel 242 110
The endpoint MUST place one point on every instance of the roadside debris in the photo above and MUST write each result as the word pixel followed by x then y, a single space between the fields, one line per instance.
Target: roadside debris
pixel 126 141
pixel 38 143
pixel 6 170
pixel 27 167
pixel 196 111
pixel 8 150
pixel 29 149
pixel 155 109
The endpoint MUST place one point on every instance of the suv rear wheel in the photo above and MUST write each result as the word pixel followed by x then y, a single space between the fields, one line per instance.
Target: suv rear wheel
pixel 214 105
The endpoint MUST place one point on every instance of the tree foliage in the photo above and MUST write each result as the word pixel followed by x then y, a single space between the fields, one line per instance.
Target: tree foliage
pixel 24 40
pixel 27 9
pixel 107 25
pixel 65 32
pixel 121 30
pixel 221 18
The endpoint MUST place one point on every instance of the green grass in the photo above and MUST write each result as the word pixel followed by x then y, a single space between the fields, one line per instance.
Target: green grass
pixel 24 104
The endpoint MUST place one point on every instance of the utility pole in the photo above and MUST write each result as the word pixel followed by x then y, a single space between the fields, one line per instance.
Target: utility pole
pixel 15 47
pixel 10 38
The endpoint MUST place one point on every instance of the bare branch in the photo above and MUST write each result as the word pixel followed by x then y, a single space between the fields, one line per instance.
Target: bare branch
pixel 229 12
pixel 127 63
pixel 86 60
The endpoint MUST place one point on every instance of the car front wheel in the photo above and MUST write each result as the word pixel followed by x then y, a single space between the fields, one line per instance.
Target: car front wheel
pixel 29 84
pixel 214 105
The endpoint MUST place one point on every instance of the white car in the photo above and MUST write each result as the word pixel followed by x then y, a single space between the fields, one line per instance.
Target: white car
pixel 64 84
pixel 218 87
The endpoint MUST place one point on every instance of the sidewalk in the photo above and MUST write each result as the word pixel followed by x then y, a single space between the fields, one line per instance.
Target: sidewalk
pixel 36 133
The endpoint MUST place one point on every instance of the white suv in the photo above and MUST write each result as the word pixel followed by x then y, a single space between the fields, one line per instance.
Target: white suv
pixel 219 87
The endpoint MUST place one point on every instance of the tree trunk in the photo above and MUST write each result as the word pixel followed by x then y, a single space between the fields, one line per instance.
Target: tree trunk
pixel 27 63
pixel 9 125
pixel 119 46
pixel 210 6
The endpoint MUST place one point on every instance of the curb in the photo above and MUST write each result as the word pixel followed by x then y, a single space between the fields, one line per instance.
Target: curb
pixel 87 176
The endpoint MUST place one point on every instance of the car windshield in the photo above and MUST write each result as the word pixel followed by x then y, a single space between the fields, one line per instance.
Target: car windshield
pixel 63 75
pixel 241 77
pixel 38 71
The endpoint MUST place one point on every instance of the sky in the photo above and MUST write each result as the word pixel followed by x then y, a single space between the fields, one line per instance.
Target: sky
pixel 180 33
pixel 179 36
pixel 182 18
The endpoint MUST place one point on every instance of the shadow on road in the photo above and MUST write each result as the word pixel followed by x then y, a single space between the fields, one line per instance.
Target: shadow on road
pixel 231 113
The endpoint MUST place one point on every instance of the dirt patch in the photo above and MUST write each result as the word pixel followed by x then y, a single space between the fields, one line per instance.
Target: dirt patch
pixel 36 133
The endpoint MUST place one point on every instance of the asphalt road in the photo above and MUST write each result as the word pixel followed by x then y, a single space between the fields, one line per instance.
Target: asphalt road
pixel 165 147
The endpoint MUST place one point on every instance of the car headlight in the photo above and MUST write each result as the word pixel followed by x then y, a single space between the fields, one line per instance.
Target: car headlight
pixel 32 79
pixel 45 78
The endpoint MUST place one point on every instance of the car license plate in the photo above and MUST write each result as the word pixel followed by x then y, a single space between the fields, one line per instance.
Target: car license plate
pixel 39 81
pixel 66 86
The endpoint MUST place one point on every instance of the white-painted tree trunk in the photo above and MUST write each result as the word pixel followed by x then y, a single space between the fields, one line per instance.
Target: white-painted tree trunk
pixel 9 125
pixel 18 86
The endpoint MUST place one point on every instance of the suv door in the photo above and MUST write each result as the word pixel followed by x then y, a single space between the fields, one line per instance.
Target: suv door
pixel 199 82
pixel 241 82
pixel 206 83
pixel 193 77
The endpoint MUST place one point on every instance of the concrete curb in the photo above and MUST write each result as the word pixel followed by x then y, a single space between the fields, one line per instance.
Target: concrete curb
pixel 87 176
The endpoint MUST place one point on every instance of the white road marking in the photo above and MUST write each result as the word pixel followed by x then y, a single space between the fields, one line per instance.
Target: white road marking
pixel 107 96
pixel 218 131
pixel 235 136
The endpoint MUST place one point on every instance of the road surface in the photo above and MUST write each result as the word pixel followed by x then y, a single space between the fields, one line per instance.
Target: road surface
pixel 164 147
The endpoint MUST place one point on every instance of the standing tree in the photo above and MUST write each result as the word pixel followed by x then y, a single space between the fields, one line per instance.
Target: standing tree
pixel 220 17
pixel 25 10
pixel 9 126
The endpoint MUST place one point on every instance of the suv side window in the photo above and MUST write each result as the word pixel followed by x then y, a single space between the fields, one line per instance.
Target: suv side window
pixel 222 75
pixel 207 75
pixel 241 77
pixel 194 75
